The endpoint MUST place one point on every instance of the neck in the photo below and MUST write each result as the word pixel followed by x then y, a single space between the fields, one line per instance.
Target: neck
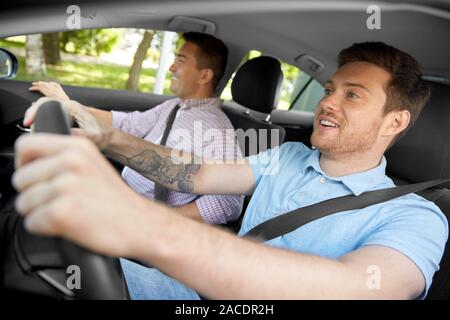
pixel 350 164
pixel 200 94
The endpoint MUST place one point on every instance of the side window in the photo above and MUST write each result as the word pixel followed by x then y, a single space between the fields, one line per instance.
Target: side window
pixel 299 91
pixel 131 59
pixel 306 94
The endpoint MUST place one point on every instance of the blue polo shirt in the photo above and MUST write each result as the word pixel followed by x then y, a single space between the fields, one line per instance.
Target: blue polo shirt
pixel 289 177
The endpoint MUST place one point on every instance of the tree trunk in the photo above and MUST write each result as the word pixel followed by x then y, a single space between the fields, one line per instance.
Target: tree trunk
pixel 51 48
pixel 35 63
pixel 139 57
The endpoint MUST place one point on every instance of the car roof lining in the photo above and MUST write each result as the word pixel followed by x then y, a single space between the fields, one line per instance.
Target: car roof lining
pixel 297 27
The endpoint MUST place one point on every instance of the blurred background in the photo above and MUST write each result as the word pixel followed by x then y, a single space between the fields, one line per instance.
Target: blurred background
pixel 128 59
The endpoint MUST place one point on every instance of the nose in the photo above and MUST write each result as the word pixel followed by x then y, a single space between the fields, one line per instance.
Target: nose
pixel 329 103
pixel 172 67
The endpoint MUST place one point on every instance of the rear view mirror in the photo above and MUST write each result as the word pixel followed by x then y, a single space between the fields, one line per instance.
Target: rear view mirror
pixel 8 64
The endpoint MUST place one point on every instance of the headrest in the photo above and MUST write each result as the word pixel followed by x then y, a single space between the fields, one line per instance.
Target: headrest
pixel 257 84
pixel 423 153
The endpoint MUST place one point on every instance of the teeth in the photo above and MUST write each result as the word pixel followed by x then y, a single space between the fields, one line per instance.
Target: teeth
pixel 328 123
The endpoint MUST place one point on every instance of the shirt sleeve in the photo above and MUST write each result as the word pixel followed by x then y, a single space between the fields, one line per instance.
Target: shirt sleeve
pixel 266 163
pixel 136 123
pixel 220 209
pixel 420 233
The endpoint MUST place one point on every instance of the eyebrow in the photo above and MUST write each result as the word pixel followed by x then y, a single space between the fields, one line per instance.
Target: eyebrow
pixel 179 55
pixel 351 84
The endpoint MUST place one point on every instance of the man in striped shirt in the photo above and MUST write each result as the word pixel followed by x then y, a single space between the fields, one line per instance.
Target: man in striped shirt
pixel 196 71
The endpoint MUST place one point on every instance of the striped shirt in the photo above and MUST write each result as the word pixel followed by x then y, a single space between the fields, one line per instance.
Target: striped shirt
pixel 200 127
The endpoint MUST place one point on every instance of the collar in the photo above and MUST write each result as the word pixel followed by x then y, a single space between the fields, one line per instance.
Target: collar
pixel 199 103
pixel 357 182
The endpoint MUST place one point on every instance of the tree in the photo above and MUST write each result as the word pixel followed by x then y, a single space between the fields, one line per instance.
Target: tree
pixel 51 48
pixel 139 56
pixel 35 62
pixel 91 42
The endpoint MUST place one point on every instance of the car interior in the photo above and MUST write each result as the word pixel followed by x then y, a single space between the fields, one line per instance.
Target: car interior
pixel 305 34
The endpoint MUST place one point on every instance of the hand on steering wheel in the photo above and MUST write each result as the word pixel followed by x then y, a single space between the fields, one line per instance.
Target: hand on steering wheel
pixel 87 123
pixel 101 276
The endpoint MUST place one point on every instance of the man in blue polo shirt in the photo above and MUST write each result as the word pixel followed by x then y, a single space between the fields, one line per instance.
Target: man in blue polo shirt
pixel 390 250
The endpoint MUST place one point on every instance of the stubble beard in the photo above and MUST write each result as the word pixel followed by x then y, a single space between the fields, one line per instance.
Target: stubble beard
pixel 348 144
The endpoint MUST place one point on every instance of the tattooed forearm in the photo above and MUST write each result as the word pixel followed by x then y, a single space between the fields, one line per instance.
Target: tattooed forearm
pixel 162 170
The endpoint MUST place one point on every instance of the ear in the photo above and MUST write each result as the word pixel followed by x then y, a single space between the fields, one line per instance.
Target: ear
pixel 206 76
pixel 396 122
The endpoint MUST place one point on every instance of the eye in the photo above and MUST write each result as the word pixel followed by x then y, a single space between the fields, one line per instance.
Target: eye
pixel 327 91
pixel 352 95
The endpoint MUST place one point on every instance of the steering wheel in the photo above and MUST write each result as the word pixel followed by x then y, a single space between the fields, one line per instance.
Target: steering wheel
pixel 53 266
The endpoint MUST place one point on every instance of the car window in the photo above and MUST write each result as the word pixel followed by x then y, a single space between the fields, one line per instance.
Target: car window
pixel 113 58
pixel 299 91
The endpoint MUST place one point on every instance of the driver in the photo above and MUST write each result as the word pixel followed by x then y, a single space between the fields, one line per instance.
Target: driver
pixel 196 71
pixel 385 251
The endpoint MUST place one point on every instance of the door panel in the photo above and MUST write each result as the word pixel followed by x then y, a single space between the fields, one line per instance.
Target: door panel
pixel 15 98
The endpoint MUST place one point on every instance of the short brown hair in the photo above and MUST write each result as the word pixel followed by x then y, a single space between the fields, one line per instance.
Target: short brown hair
pixel 213 53
pixel 406 89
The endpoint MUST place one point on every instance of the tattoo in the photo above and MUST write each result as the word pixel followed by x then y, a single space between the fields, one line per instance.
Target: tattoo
pixel 163 170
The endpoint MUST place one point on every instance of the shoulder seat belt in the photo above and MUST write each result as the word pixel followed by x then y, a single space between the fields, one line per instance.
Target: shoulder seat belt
pixel 161 192
pixel 294 219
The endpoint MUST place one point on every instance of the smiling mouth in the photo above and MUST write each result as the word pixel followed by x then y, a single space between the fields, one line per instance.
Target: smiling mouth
pixel 328 124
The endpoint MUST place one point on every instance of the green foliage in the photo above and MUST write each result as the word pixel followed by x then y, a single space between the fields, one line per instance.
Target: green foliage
pixel 6 43
pixel 290 72
pixel 253 54
pixel 90 42
pixel 153 54
pixel 92 75
pixel 179 43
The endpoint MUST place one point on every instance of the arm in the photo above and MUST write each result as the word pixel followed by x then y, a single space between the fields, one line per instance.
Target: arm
pixel 104 119
pixel 190 175
pixel 179 170
pixel 250 270
pixel 56 197
pixel 98 130
pixel 53 90
pixel 102 116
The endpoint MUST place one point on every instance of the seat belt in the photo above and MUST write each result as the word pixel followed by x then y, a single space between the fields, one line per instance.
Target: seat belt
pixel 294 219
pixel 161 192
